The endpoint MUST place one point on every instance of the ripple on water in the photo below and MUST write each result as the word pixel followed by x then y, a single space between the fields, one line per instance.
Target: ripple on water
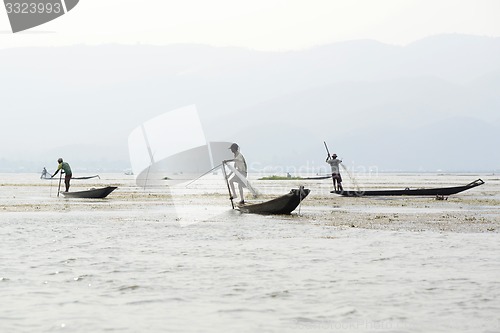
pixel 122 270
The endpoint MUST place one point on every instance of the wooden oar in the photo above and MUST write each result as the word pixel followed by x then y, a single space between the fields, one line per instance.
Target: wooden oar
pixel 327 151
pixel 59 188
pixel 227 183
pixel 206 173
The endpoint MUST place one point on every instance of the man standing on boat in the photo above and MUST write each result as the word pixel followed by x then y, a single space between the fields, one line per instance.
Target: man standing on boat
pixel 337 179
pixel 241 171
pixel 64 166
pixel 44 173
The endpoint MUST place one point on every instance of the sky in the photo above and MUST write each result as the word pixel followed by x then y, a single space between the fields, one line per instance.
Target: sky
pixel 264 25
pixel 271 25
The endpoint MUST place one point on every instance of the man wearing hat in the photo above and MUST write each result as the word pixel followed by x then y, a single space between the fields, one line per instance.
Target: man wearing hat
pixel 64 166
pixel 337 179
pixel 241 166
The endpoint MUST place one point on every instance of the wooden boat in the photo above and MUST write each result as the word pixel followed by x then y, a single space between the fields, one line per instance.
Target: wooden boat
pixel 95 193
pixel 281 205
pixel 414 192
pixel 318 177
pixel 295 178
pixel 72 178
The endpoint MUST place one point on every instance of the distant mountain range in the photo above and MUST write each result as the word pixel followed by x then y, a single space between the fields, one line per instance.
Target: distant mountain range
pixel 431 105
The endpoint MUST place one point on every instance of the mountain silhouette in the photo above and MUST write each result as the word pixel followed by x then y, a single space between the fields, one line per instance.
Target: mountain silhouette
pixel 424 106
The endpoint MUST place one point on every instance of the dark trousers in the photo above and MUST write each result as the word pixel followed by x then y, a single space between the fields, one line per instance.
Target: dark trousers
pixel 67 178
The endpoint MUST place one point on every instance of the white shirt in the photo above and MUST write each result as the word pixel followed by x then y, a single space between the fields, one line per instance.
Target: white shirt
pixel 334 163
pixel 239 163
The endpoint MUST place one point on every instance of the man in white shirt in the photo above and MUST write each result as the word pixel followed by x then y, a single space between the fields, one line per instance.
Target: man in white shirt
pixel 241 166
pixel 337 179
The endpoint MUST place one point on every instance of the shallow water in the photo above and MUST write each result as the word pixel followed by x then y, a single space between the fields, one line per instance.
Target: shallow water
pixel 136 265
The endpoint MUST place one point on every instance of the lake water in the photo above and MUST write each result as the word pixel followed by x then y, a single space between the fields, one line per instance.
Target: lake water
pixel 133 263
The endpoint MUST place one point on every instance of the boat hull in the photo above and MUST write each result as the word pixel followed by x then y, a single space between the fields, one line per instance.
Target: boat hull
pixel 281 205
pixel 413 192
pixel 95 193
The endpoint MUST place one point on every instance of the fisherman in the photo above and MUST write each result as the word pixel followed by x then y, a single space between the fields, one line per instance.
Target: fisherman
pixel 44 173
pixel 64 166
pixel 336 178
pixel 241 166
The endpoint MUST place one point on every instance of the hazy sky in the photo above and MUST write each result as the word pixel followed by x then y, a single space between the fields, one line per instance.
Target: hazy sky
pixel 258 24
pixel 255 24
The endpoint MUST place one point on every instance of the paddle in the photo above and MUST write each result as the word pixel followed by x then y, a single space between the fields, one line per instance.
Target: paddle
pixel 59 188
pixel 206 173
pixel 327 151
pixel 329 156
pixel 227 183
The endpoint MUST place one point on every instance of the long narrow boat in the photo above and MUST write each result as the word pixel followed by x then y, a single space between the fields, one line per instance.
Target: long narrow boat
pixel 318 177
pixel 413 192
pixel 281 205
pixel 72 178
pixel 95 193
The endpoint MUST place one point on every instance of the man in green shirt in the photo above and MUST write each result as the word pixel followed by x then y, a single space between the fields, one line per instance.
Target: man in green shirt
pixel 64 166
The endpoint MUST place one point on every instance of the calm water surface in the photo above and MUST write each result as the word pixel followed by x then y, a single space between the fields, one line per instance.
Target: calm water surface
pixel 143 271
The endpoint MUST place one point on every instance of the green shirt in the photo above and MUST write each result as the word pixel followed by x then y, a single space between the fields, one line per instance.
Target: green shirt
pixel 65 166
